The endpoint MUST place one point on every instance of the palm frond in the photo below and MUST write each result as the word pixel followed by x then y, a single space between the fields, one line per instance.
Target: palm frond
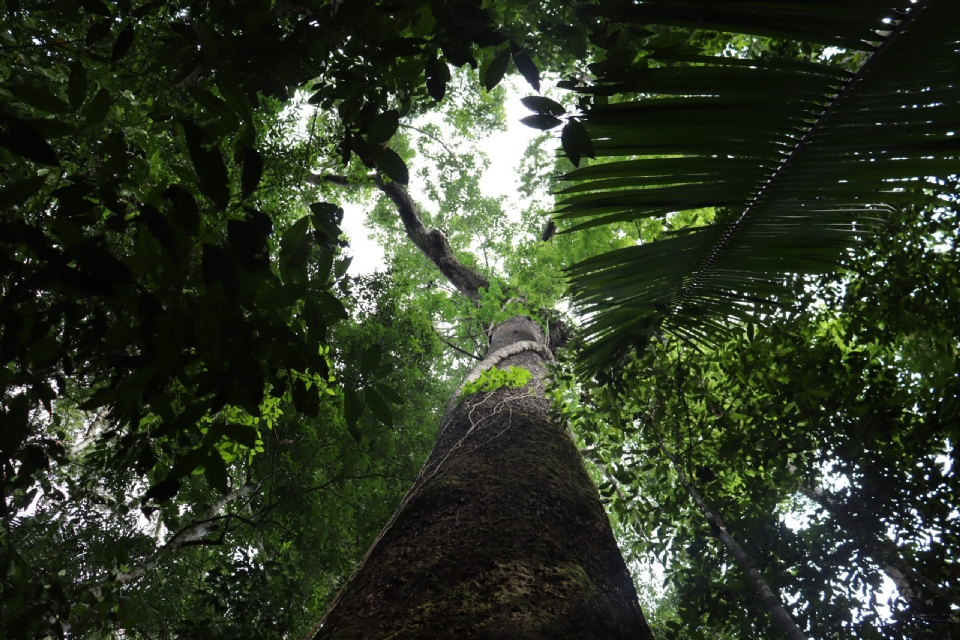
pixel 813 158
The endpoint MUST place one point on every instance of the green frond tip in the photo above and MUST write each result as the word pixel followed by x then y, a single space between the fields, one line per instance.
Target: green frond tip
pixel 809 159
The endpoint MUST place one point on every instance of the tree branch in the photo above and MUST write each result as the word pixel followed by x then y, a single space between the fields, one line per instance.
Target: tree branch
pixel 456 348
pixel 317 179
pixel 777 612
pixel 189 535
pixel 431 136
pixel 433 243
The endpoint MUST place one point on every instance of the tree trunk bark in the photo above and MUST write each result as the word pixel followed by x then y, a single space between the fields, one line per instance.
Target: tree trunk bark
pixel 502 535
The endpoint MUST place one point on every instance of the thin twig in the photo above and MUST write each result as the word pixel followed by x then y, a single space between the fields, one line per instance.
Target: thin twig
pixel 456 348
pixel 431 136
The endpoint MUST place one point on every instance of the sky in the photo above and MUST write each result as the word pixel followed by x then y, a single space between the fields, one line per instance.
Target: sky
pixel 505 150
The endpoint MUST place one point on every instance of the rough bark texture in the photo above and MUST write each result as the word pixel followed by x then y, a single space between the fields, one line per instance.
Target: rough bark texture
pixel 502 536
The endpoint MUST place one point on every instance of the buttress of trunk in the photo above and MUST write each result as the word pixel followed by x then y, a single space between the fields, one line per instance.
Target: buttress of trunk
pixel 502 535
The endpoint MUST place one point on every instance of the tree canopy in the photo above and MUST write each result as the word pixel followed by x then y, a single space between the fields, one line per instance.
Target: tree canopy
pixel 206 418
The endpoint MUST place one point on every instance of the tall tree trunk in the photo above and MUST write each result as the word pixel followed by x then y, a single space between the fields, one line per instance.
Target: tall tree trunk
pixel 502 535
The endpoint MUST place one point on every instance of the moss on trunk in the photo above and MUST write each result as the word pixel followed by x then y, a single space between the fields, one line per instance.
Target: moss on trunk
pixel 503 536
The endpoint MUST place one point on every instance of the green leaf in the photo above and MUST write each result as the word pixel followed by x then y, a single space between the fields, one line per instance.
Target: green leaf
pixel 123 43
pixel 20 191
pixel 437 75
pixel 23 139
pixel 242 434
pixel 53 128
pixel 215 471
pixel 352 409
pixel 389 394
pixel 526 68
pixel 383 127
pixel 370 359
pixel 495 72
pixel 98 108
pixel 207 334
pixel 379 408
pixel 540 104
pixel 14 426
pixel 541 121
pixel 77 85
pixel 295 248
pixel 576 142
pixel 162 491
pixel 184 209
pixel 235 97
pixel 39 98
pixel 252 172
pixel 215 106
pixel 306 401
pixel 95 7
pixel 98 31
pixel 333 307
pixel 208 163
pixel 392 165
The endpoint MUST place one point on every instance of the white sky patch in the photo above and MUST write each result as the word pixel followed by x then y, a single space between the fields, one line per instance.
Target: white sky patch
pixel 505 149
pixel 367 253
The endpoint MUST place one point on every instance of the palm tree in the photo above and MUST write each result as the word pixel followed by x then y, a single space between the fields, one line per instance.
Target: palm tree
pixel 802 158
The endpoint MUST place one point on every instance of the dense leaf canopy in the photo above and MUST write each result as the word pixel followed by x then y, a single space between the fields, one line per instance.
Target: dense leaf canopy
pixel 206 418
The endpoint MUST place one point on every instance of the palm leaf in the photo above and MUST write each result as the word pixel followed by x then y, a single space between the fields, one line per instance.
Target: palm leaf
pixel 810 156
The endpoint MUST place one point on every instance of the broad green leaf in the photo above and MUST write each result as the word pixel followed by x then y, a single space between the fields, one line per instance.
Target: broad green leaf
pixel 98 108
pixel 20 191
pixel 241 434
pixel 383 127
pixel 98 31
pixel 540 104
pixel 123 43
pixel 370 359
pixel 576 141
pixel 235 97
pixel 392 165
pixel 526 68
pixel 352 409
pixel 497 68
pixel 207 334
pixel 389 394
pixel 208 163
pixel 379 408
pixel 215 471
pixel 437 75
pixel 162 491
pixel 252 172
pixel 541 121
pixel 15 425
pixel 39 98
pixel 77 85
pixel 23 139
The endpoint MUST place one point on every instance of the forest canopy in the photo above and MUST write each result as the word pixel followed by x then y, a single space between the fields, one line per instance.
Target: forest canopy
pixel 207 417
